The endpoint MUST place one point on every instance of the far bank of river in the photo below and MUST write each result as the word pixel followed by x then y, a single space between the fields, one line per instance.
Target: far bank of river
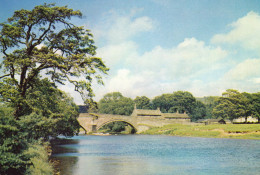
pixel 153 155
pixel 234 131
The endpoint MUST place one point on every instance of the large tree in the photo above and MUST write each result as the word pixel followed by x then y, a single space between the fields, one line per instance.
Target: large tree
pixel 43 41
pixel 254 104
pixel 232 104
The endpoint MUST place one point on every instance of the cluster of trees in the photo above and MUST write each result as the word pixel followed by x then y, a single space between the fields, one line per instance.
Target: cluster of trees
pixel 231 105
pixel 41 49
pixel 181 101
pixel 234 104
pixel 116 103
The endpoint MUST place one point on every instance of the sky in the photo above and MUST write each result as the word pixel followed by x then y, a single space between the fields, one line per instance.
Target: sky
pixel 161 46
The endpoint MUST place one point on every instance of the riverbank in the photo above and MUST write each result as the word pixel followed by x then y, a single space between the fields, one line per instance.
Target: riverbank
pixel 234 131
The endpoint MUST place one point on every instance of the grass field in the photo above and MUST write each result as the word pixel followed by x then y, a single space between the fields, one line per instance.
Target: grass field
pixel 236 131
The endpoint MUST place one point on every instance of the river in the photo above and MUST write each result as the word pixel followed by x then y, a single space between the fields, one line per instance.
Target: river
pixel 157 155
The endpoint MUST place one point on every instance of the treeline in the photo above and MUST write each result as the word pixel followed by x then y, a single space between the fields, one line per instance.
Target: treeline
pixel 180 101
pixel 232 104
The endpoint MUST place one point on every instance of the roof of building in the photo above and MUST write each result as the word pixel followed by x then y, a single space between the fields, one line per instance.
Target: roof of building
pixel 175 115
pixel 144 112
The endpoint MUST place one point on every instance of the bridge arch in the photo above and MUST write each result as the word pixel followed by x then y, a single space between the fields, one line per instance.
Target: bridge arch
pixel 116 120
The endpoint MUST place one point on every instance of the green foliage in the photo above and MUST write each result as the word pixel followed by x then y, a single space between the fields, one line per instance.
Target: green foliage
pixel 43 41
pixel 199 111
pixel 232 104
pixel 36 43
pixel 142 102
pixel 164 102
pixel 116 103
pixel 180 101
pixel 50 112
pixel 39 159
pixel 114 127
pixel 255 105
pixel 117 127
pixel 209 102
pixel 12 144
pixel 17 135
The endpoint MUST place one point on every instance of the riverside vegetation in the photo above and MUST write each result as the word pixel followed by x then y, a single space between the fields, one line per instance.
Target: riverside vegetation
pixel 40 49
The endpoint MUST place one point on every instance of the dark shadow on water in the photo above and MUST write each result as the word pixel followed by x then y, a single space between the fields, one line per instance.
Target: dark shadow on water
pixel 64 164
pixel 59 146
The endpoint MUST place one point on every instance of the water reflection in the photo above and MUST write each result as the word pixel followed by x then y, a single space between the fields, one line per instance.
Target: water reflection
pixel 65 164
pixel 137 154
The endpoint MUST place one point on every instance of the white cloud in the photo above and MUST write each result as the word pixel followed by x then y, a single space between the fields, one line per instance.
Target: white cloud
pixel 256 80
pixel 248 70
pixel 116 28
pixel 160 70
pixel 115 53
pixel 40 46
pixel 124 82
pixel 126 27
pixel 245 32
pixel 189 59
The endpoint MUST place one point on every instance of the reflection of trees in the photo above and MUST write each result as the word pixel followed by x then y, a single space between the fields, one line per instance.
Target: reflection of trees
pixel 62 163
pixel 65 165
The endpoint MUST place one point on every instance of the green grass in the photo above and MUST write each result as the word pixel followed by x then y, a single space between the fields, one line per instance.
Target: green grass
pixel 245 131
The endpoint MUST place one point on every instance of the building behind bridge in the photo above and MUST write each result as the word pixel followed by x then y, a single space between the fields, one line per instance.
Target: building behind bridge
pixel 178 117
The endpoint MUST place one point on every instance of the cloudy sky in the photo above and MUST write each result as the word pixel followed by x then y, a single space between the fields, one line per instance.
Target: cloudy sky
pixel 160 46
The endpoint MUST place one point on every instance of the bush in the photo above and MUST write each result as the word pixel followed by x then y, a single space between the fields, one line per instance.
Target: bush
pixel 39 161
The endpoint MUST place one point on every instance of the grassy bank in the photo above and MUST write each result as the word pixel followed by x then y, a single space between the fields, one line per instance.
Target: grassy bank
pixel 244 131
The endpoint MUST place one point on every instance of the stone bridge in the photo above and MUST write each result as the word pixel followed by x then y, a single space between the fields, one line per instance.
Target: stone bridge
pixel 93 122
pixel 140 120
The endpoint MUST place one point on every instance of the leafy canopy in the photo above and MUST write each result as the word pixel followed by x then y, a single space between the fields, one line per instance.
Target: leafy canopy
pixel 232 105
pixel 142 102
pixel 116 103
pixel 43 41
pixel 180 101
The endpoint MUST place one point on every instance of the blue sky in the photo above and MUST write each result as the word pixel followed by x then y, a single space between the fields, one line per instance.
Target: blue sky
pixel 160 46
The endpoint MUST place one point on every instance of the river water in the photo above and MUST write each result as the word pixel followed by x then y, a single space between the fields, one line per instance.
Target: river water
pixel 157 155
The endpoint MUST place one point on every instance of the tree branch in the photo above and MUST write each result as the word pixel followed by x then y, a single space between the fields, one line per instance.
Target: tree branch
pixel 4 47
pixel 39 40
pixel 5 76
pixel 28 35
